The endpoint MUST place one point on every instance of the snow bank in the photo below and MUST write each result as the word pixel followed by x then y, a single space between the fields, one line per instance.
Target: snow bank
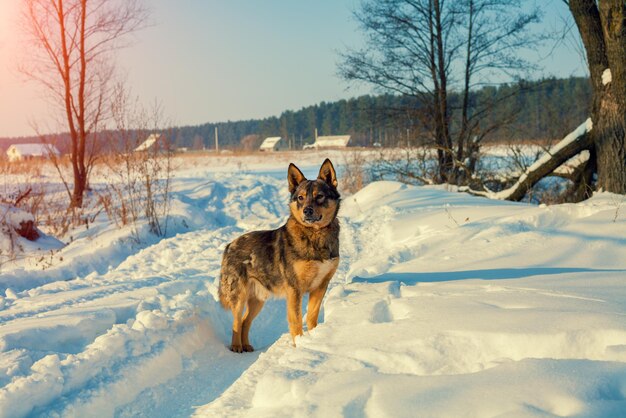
pixel 19 237
pixel 14 216
pixel 453 305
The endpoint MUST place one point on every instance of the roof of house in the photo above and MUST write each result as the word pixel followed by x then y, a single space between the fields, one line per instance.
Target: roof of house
pixel 270 142
pixel 150 141
pixel 332 141
pixel 34 150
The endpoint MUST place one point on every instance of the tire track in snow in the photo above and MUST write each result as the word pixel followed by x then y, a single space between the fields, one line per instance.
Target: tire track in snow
pixel 172 287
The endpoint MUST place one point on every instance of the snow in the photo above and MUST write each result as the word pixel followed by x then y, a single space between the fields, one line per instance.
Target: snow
pixel 17 151
pixel 148 143
pixel 444 304
pixel 606 76
pixel 14 246
pixel 14 216
pixel 329 141
pixel 269 143
pixel 572 137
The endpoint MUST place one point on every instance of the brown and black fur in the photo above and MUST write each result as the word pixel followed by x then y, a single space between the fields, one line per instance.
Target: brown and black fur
pixel 299 257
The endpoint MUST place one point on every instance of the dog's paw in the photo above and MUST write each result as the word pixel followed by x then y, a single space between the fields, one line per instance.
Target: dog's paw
pixel 236 348
pixel 248 348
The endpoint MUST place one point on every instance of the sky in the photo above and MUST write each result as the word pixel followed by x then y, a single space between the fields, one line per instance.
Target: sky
pixel 211 61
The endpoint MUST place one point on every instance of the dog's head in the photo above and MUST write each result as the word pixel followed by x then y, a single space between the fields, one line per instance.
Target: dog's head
pixel 314 203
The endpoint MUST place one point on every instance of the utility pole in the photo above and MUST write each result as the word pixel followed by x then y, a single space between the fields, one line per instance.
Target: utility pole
pixel 217 143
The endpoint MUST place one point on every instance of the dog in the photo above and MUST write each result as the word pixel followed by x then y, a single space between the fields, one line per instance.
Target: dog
pixel 301 256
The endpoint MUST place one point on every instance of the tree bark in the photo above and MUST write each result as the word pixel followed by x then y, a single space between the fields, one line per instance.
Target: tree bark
pixel 463 135
pixel 582 178
pixel 603 32
pixel 445 142
pixel 610 142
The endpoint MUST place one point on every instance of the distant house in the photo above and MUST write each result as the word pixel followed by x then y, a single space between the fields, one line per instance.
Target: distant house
pixel 154 141
pixel 19 152
pixel 330 141
pixel 271 143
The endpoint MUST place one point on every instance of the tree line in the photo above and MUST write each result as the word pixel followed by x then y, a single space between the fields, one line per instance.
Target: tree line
pixel 543 109
pixel 539 110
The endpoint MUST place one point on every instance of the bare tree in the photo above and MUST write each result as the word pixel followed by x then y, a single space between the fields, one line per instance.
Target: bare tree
pixel 494 32
pixel 602 27
pixel 140 165
pixel 603 32
pixel 424 48
pixel 198 143
pixel 71 56
pixel 407 52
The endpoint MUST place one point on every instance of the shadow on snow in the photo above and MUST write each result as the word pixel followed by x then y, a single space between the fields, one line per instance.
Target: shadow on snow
pixel 486 274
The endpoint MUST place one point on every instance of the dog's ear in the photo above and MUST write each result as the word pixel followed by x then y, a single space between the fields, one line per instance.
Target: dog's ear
pixel 327 173
pixel 295 177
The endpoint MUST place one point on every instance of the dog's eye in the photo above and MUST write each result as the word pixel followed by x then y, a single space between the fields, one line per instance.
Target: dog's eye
pixel 320 197
pixel 300 198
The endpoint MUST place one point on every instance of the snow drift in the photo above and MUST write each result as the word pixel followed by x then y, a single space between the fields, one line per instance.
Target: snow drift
pixel 444 304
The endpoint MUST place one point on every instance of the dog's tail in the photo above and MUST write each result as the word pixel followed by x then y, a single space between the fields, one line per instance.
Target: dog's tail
pixel 222 297
pixel 230 281
pixel 224 282
pixel 223 301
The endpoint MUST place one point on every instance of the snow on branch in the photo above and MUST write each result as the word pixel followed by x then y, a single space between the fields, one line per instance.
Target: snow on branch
pixel 573 144
pixel 569 168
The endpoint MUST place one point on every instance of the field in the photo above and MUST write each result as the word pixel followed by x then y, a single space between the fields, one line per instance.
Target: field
pixel 444 304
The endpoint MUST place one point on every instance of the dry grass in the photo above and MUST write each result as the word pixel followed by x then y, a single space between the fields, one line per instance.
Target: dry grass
pixel 32 166
pixel 354 176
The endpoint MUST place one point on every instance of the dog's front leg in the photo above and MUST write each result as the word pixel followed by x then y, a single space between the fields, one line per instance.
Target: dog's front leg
pixel 294 313
pixel 315 302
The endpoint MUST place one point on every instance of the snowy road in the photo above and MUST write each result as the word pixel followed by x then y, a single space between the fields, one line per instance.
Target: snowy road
pixel 87 346
pixel 443 305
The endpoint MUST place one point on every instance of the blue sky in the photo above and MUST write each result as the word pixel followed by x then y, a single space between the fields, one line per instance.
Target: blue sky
pixel 209 60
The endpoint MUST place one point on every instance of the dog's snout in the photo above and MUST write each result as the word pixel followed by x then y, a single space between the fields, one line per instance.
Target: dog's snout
pixel 308 211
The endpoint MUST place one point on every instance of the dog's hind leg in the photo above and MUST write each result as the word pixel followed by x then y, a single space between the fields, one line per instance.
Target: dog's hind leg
pixel 254 307
pixel 237 310
pixel 294 313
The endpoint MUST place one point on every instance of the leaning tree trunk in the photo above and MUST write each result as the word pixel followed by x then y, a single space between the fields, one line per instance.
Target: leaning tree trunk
pixel 570 146
pixel 603 32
